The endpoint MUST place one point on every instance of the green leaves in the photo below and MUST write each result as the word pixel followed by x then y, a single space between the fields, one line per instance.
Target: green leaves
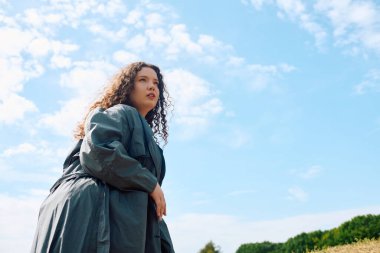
pixel 358 228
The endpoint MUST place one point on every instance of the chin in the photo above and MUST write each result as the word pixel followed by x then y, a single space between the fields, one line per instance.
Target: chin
pixel 151 110
pixel 153 106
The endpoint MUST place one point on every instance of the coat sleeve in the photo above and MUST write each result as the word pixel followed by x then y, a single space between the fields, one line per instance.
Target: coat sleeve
pixel 103 154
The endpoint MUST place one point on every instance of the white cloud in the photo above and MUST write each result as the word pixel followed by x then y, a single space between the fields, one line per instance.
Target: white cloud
pixel 70 13
pixel 14 72
pixel 257 77
pixel 59 47
pixel 86 81
pixel 230 231
pixel 309 173
pixel 33 68
pixel 17 40
pixel 33 18
pixel 154 20
pixel 194 102
pixel 42 193
pixel 239 138
pixel 7 21
pixel 298 194
pixel 312 172
pixel 53 18
pixel 39 47
pixel 187 87
pixel 209 41
pixel 261 76
pixel 125 57
pixel 158 37
pixel 353 22
pixel 17 68
pixel 181 40
pixel 42 149
pixel 134 18
pixel 235 61
pixel 257 4
pixel 12 75
pixel 20 149
pixel 235 138
pixel 137 43
pixel 64 121
pixel 86 78
pixel 30 40
pixel 107 33
pixel 214 51
pixel 271 69
pixel 18 220
pixel 110 8
pixel 14 107
pixel 12 175
pixel 59 61
pixel 286 68
pixel 297 11
pixel 161 30
pixel 371 83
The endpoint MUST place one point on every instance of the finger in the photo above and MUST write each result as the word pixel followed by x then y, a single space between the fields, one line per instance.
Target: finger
pixel 159 216
pixel 164 209
pixel 158 211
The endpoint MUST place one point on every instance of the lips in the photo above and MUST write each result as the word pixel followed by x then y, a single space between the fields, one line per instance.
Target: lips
pixel 151 95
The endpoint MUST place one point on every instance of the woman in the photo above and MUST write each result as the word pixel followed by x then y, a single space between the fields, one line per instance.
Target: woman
pixel 109 197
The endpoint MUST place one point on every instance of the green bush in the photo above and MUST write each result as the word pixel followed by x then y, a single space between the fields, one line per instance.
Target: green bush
pixel 358 228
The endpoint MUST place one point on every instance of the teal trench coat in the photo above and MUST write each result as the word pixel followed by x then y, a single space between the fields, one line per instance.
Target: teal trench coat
pixel 101 203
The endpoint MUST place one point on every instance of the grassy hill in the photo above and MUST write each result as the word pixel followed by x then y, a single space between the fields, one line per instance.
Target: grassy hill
pixel 365 246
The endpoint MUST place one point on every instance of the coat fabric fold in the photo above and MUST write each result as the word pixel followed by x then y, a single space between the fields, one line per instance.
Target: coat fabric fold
pixel 101 203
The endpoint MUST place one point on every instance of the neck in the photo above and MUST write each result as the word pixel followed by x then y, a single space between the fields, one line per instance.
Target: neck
pixel 143 113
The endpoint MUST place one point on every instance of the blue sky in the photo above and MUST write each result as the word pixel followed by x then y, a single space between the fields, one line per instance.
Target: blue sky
pixel 276 121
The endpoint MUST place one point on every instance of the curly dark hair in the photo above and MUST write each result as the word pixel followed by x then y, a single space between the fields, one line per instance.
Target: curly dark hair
pixel 118 92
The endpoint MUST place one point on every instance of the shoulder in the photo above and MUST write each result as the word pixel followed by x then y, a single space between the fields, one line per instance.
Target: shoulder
pixel 126 110
pixel 121 113
pixel 118 110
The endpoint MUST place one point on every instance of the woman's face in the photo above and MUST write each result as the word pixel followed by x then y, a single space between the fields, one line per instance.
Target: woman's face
pixel 145 93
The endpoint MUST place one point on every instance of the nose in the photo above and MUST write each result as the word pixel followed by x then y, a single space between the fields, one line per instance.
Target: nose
pixel 151 86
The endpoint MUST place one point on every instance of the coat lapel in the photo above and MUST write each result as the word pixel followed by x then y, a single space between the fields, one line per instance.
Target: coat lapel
pixel 156 156
pixel 152 147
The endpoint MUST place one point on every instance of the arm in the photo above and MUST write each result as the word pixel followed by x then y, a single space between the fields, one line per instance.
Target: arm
pixel 103 154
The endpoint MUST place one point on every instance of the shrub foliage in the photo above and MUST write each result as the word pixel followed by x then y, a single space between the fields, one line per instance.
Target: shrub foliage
pixel 358 228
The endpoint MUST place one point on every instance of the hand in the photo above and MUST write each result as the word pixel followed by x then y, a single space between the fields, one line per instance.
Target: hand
pixel 159 199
